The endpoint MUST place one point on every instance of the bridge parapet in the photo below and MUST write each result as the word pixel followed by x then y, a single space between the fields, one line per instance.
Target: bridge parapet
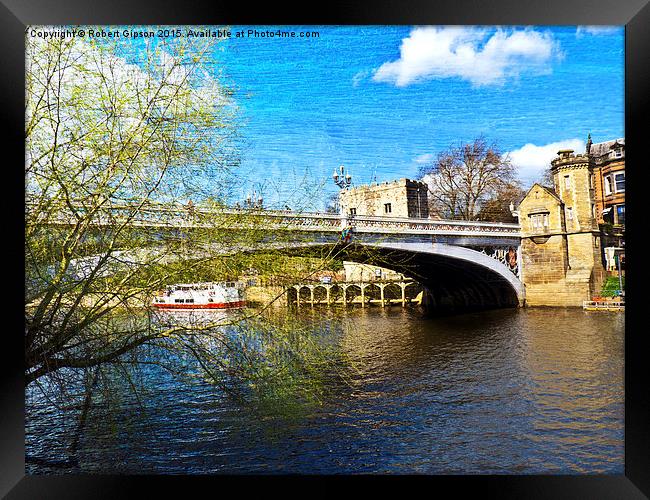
pixel 155 216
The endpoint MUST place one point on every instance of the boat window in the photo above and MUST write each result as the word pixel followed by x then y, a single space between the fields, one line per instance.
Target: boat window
pixel 189 301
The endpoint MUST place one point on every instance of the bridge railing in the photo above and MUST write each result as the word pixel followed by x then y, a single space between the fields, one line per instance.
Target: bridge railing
pixel 188 217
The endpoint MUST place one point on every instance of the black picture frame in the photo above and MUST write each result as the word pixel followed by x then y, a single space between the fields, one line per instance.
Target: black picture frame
pixel 16 15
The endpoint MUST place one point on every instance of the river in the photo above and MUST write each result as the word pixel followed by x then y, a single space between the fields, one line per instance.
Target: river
pixel 511 391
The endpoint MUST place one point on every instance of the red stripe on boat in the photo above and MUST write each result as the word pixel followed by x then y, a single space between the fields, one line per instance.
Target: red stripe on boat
pixel 213 305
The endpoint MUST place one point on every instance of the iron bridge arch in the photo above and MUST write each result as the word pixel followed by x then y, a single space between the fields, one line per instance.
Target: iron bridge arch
pixel 455 278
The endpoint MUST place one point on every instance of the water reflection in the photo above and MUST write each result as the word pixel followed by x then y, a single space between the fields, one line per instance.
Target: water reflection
pixel 508 391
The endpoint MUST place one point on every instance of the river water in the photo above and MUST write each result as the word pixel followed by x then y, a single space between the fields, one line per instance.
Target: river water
pixel 516 391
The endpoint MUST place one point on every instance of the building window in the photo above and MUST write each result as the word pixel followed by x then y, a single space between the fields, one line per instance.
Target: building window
pixel 618 152
pixel 539 221
pixel 619 181
pixel 387 208
pixel 353 211
pixel 608 185
pixel 620 214
pixel 615 183
pixel 567 182
pixel 569 213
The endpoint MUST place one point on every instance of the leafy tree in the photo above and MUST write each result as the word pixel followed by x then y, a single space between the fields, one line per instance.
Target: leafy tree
pixel 105 135
pixel 116 138
pixel 463 178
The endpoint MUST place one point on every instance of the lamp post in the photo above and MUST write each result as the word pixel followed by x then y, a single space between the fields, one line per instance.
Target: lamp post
pixel 343 181
pixel 253 200
pixel 515 213
pixel 617 256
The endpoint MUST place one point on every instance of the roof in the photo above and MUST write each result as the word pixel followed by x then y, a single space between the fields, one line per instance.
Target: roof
pixel 603 148
pixel 547 189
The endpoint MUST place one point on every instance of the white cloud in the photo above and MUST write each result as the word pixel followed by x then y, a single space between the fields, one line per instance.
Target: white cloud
pixel 598 30
pixel 425 158
pixel 532 160
pixel 454 51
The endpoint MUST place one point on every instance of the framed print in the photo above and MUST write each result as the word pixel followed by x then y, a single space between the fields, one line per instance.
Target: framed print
pixel 380 243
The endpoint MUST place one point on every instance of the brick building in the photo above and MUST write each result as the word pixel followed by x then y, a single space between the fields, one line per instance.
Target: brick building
pixel 607 160
pixel 608 166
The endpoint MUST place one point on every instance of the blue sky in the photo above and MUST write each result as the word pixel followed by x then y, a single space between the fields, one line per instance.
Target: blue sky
pixel 383 100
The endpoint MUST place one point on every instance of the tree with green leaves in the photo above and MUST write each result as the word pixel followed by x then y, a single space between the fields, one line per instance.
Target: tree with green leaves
pixel 118 134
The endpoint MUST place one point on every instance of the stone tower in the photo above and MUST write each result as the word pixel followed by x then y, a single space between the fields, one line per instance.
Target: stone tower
pixel 561 252
pixel 572 176
pixel 400 198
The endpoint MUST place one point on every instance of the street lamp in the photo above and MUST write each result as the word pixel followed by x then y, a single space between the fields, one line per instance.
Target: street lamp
pixel 343 181
pixel 252 202
pixel 617 256
pixel 515 213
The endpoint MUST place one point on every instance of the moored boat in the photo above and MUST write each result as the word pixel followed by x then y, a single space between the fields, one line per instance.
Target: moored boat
pixel 212 295
pixel 603 305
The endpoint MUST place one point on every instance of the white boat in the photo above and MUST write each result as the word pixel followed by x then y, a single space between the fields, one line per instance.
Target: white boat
pixel 212 295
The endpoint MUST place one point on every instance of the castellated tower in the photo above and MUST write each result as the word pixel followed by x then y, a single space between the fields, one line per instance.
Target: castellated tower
pixel 573 183
pixel 400 198
pixel 561 251
pixel 572 176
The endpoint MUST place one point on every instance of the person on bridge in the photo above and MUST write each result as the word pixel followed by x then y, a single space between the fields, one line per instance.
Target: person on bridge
pixel 512 258
pixel 346 235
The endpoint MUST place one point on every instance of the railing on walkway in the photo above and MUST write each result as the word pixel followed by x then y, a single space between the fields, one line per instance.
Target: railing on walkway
pixel 184 217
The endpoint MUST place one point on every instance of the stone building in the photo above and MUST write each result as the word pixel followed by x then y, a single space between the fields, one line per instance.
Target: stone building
pixel 366 272
pixel 561 247
pixel 401 198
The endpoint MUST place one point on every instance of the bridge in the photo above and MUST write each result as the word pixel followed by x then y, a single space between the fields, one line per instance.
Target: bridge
pixel 462 264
